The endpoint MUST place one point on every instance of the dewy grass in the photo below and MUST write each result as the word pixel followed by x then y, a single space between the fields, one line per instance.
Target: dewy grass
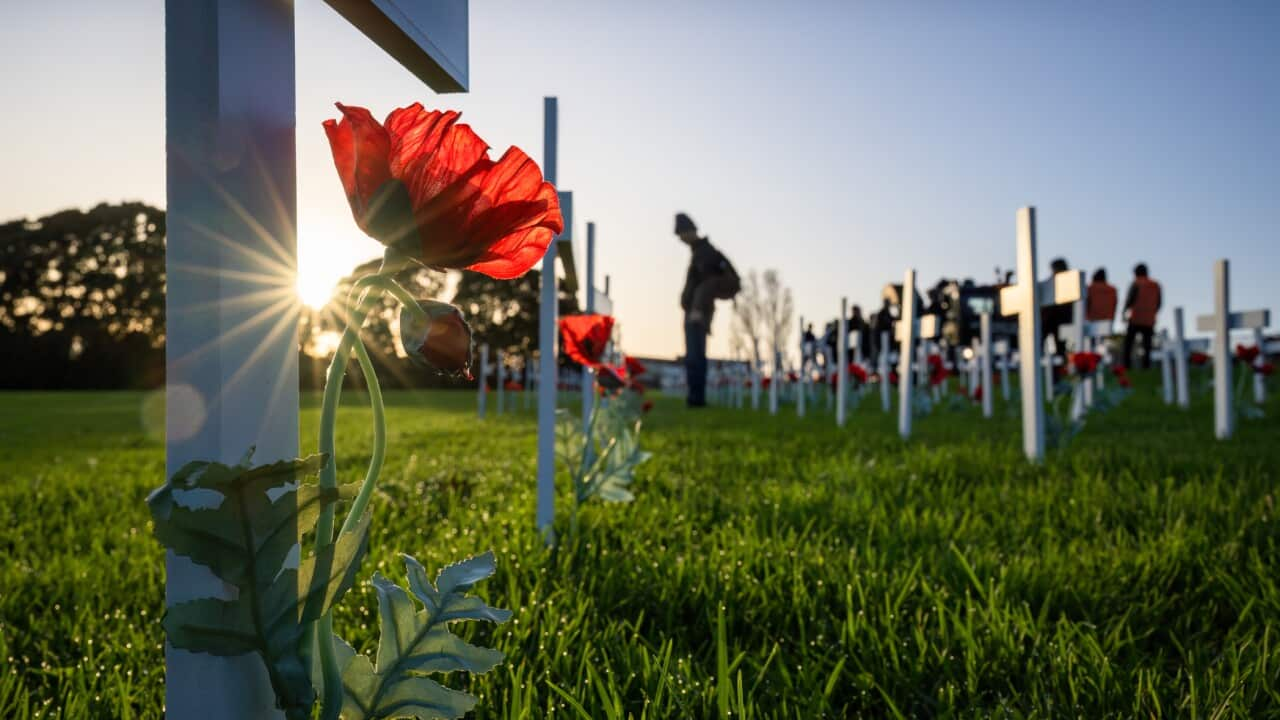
pixel 770 567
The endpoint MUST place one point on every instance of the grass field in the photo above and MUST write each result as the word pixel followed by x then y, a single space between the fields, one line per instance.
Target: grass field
pixel 770 567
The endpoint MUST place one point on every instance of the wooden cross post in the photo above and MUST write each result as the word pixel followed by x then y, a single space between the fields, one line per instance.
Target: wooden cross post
pixel 911 326
pixel 1221 323
pixel 882 369
pixel 548 346
pixel 588 379
pixel 1182 382
pixel 776 382
pixel 842 361
pixel 1259 380
pixel 1025 300
pixel 984 335
pixel 1166 367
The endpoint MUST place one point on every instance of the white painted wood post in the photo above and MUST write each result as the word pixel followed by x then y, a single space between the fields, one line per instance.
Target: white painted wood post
pixel 1260 381
pixel 755 384
pixel 1222 322
pixel 987 358
pixel 776 383
pixel 548 348
pixel 231 352
pixel 1002 352
pixel 906 338
pixel 1023 300
pixel 1223 410
pixel 588 378
pixel 1182 382
pixel 882 369
pixel 1166 367
pixel 500 379
pixel 842 362
pixel 482 391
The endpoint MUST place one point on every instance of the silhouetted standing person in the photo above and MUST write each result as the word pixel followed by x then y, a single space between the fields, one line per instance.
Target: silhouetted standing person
pixel 1053 317
pixel 808 346
pixel 1100 303
pixel 858 324
pixel 710 276
pixel 1140 308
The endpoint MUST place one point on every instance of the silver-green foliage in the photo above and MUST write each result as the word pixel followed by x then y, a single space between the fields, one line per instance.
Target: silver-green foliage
pixel 415 642
pixel 603 461
pixel 246 525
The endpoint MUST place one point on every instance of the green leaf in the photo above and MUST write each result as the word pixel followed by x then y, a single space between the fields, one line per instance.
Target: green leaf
pixel 414 642
pixel 246 525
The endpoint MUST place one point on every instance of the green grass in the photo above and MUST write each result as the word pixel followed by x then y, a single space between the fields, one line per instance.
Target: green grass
pixel 770 567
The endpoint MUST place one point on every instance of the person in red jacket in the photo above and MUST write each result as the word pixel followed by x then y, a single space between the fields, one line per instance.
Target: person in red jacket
pixel 1100 304
pixel 1140 308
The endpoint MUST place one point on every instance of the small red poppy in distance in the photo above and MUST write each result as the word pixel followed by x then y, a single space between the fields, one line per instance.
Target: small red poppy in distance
pixel 1120 371
pixel 857 372
pixel 893 377
pixel 1265 369
pixel 1123 381
pixel 1085 363
pixel 977 394
pixel 1247 354
pixel 423 185
pixel 646 406
pixel 585 337
pixel 513 386
pixel 634 367
pixel 1198 358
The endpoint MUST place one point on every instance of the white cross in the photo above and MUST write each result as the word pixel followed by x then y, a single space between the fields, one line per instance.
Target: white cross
pixel 231 350
pixel 588 379
pixel 910 326
pixel 882 369
pixel 776 382
pixel 1221 323
pixel 482 390
pixel 1001 347
pixel 1025 300
pixel 984 339
pixel 842 361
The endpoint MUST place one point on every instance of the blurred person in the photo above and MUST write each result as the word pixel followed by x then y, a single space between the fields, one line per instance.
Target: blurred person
pixel 1100 302
pixel 710 277
pixel 1140 308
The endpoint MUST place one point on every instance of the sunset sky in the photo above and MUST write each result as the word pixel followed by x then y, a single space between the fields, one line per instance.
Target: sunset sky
pixel 838 142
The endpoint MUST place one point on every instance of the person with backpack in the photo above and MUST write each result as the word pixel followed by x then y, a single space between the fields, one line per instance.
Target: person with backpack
pixel 710 277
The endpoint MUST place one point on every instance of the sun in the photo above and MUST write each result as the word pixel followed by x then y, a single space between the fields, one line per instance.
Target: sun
pixel 315 289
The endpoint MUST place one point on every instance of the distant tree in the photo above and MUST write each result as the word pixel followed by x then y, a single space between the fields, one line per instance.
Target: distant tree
pixel 82 299
pixel 762 315
pixel 504 313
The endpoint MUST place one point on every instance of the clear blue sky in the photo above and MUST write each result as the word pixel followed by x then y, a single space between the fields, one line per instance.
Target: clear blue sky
pixel 837 142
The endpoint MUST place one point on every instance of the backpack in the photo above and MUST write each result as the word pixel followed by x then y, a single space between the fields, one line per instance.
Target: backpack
pixel 728 284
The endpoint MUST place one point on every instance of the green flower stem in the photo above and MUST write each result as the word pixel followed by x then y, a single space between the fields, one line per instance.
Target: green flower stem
pixel 379 438
pixel 396 290
pixel 322 631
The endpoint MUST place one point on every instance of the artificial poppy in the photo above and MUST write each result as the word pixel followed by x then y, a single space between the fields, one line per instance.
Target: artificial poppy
pixel 1247 354
pixel 1085 363
pixel 608 379
pixel 646 406
pixel 423 185
pixel 634 367
pixel 977 394
pixel 893 377
pixel 857 372
pixel 1198 358
pixel 1120 371
pixel 585 337
pixel 1265 369
pixel 441 338
pixel 1123 381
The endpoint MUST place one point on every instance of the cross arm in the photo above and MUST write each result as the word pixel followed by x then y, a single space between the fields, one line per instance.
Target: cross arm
pixel 1247 320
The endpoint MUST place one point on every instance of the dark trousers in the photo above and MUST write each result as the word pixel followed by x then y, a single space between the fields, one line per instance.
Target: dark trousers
pixel 695 362
pixel 1146 331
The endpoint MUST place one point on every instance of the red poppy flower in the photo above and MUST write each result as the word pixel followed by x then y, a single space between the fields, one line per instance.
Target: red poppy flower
pixel 1123 381
pixel 893 377
pixel 1247 354
pixel 765 383
pixel 585 337
pixel 424 185
pixel 937 375
pixel 646 406
pixel 633 366
pixel 1085 363
pixel 977 394
pixel 442 339
pixel 1120 371
pixel 608 379
pixel 1265 369
pixel 513 386
pixel 858 372
pixel 793 377
pixel 1198 358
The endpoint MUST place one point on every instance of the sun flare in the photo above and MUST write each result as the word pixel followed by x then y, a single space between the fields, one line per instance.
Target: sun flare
pixel 316 288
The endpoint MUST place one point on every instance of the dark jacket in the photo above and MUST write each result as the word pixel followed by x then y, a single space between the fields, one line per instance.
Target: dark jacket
pixel 706 267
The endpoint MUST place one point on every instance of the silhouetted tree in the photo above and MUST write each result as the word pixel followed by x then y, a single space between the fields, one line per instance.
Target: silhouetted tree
pixel 82 299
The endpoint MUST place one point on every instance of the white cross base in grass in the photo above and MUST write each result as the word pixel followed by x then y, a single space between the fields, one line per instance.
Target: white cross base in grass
pixel 1025 300
pixel 911 326
pixel 1221 323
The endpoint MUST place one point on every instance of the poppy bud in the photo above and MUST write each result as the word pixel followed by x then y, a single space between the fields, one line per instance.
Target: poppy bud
pixel 442 339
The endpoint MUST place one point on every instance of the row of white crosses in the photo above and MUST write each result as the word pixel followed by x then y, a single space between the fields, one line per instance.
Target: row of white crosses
pixel 911 327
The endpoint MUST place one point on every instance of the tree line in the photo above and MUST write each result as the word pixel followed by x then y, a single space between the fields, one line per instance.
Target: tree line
pixel 82 306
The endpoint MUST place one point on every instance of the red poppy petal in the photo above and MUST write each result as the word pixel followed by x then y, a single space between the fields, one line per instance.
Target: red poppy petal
pixel 416 133
pixel 530 247
pixel 430 175
pixel 367 158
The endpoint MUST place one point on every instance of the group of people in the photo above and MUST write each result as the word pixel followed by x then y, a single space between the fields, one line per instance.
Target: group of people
pixel 712 277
